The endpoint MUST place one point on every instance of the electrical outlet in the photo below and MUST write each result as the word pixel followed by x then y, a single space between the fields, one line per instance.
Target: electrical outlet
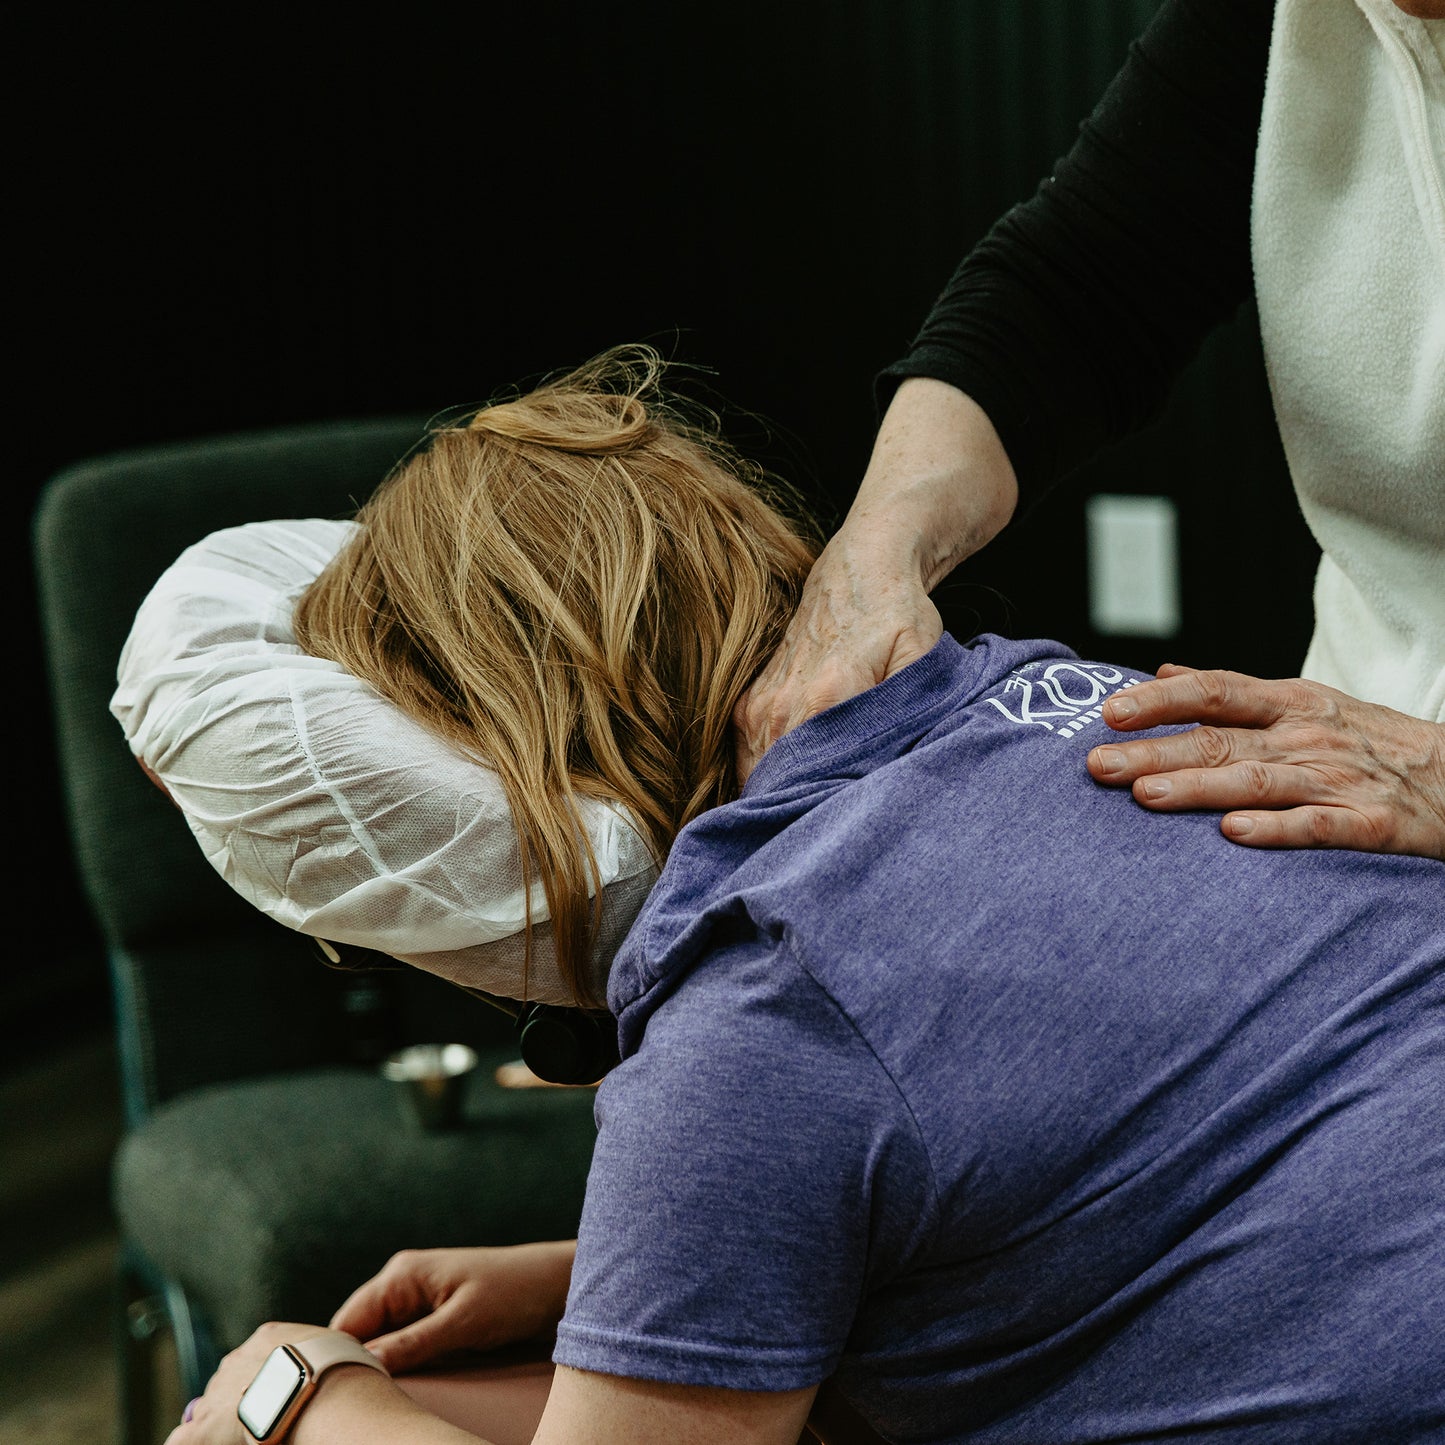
pixel 1133 566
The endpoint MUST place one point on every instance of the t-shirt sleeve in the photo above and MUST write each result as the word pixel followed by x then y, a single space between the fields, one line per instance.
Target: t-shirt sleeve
pixel 1070 320
pixel 756 1173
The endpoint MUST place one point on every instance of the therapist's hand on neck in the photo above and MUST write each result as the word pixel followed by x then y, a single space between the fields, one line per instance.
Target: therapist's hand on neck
pixel 1291 764
pixel 939 485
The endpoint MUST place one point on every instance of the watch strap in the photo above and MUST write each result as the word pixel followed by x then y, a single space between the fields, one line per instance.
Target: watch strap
pixel 321 1352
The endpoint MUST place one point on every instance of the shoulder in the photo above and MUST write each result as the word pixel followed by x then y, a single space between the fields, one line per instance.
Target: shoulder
pixel 748 1022
pixel 751 1137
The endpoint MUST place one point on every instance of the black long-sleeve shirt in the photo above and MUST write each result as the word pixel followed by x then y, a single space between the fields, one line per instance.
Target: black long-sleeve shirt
pixel 1070 320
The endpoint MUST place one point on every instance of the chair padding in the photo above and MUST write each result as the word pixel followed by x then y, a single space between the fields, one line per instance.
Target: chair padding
pixel 303 1185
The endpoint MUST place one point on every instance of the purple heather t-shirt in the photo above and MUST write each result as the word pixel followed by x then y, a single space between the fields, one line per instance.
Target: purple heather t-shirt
pixel 1028 1114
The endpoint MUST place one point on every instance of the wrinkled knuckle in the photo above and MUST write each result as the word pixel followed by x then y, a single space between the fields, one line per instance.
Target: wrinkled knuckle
pixel 1213 746
pixel 1320 825
pixel 1309 698
pixel 1255 780
pixel 1214 688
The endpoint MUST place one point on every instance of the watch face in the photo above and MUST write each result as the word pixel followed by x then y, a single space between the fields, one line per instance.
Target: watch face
pixel 276 1385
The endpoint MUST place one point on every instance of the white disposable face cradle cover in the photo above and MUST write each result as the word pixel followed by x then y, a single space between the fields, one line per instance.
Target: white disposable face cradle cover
pixel 323 803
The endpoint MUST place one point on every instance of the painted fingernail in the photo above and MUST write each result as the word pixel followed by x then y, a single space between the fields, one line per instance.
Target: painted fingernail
pixel 1110 760
pixel 1122 708
pixel 1239 827
pixel 1156 787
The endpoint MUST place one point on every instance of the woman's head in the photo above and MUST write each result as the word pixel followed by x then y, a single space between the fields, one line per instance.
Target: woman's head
pixel 574 586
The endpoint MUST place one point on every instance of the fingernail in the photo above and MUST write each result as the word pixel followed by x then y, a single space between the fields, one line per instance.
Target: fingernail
pixel 1122 708
pixel 1110 760
pixel 1156 787
pixel 1239 827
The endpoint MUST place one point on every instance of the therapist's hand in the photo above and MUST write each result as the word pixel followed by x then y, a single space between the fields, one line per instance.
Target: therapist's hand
pixel 938 486
pixel 863 616
pixel 431 1302
pixel 1292 764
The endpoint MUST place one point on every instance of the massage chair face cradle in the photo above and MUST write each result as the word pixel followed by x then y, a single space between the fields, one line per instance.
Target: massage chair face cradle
pixel 212 672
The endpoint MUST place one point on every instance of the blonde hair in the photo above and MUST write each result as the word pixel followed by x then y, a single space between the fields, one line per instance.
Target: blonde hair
pixel 574 586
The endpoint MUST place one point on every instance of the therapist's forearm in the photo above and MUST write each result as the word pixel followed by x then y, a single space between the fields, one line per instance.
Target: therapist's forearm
pixel 939 484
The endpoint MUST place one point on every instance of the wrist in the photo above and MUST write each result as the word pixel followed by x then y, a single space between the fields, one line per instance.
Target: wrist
pixel 300 1362
pixel 351 1403
pixel 939 484
pixel 905 534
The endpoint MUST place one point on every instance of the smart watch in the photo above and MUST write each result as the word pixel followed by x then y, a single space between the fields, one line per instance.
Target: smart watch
pixel 289 1378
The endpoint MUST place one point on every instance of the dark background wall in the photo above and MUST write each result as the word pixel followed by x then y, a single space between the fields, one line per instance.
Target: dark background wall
pixel 297 220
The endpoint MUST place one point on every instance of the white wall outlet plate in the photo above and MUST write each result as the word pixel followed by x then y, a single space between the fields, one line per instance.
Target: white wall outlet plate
pixel 1133 566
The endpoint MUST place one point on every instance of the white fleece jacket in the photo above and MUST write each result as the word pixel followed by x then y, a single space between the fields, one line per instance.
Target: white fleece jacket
pixel 1348 235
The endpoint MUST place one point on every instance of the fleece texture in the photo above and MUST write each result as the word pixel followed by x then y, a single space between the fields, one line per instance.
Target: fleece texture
pixel 1348 237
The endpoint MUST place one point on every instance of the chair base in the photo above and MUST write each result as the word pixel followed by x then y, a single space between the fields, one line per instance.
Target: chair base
pixel 148 1307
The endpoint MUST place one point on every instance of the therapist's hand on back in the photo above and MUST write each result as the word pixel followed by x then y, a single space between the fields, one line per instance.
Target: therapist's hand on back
pixel 1292 764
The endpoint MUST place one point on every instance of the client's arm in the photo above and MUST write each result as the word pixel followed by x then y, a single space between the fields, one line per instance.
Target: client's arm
pixel 352 1403
pixel 355 1404
pixel 428 1303
pixel 613 1410
pixel 431 1302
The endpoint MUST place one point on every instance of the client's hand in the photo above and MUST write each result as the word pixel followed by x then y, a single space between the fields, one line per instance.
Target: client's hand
pixel 430 1302
pixel 211 1419
pixel 1293 764
pixel 862 618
